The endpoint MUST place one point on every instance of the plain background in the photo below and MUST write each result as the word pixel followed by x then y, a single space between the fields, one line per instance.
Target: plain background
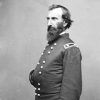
pixel 23 38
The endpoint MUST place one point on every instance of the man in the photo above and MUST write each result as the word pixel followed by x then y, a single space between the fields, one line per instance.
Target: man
pixel 57 76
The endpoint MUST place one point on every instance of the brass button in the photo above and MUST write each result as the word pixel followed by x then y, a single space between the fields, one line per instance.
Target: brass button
pixel 55 44
pixel 48 52
pixel 43 62
pixel 39 72
pixel 38 63
pixel 41 66
pixel 44 49
pixel 38 94
pixel 51 48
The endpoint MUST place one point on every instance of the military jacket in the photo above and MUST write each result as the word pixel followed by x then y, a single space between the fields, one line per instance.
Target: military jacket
pixel 57 75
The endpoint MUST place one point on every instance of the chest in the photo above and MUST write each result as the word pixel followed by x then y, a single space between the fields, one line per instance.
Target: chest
pixel 51 61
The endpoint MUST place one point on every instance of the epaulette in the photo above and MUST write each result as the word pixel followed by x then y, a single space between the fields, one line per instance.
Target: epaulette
pixel 68 45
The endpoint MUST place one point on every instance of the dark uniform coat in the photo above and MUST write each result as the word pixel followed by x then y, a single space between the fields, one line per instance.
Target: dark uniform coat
pixel 57 76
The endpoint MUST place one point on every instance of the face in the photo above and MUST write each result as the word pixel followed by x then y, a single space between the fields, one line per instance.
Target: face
pixel 55 23
pixel 54 17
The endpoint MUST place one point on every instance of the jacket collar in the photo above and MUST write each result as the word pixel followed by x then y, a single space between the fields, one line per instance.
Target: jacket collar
pixel 65 35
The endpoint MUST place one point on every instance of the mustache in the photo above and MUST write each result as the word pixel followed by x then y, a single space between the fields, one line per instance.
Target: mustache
pixel 50 28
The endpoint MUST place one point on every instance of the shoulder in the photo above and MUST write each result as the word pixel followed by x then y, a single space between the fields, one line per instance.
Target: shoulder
pixel 68 42
pixel 69 45
pixel 64 40
pixel 72 50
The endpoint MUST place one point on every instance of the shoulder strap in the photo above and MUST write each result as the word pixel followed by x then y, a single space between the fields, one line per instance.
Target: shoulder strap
pixel 68 45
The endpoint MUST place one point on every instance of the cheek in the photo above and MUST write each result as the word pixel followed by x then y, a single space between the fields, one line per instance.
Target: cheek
pixel 60 24
pixel 55 24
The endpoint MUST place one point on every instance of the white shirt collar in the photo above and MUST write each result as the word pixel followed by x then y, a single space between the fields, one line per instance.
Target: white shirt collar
pixel 63 32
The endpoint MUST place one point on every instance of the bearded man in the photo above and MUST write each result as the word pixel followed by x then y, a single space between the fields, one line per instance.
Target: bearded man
pixel 57 75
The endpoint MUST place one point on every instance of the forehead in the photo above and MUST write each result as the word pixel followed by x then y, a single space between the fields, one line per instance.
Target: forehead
pixel 57 12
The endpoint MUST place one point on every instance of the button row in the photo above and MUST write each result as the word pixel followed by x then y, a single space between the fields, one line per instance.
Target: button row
pixel 37 94
pixel 43 62
pixel 51 49
pixel 41 67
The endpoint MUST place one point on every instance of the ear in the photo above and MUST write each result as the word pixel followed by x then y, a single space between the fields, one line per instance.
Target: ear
pixel 64 23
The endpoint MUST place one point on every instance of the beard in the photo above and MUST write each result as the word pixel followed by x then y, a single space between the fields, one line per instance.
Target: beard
pixel 53 33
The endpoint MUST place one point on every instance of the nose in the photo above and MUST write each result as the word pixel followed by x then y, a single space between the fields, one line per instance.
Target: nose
pixel 49 22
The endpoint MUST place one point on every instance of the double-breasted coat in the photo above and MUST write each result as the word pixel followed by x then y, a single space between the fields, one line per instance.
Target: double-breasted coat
pixel 57 75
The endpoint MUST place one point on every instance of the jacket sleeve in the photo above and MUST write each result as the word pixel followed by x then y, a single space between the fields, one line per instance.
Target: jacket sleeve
pixel 72 79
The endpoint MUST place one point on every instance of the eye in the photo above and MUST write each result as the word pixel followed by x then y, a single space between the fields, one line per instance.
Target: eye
pixel 48 18
pixel 54 18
